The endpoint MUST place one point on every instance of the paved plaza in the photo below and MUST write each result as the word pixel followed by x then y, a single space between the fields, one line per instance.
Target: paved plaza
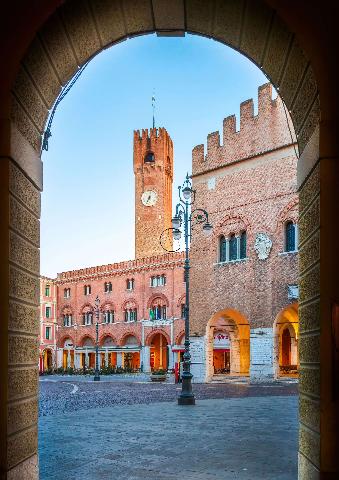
pixel 135 430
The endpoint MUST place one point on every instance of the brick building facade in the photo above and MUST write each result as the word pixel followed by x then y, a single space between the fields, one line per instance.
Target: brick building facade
pixel 48 324
pixel 244 282
pixel 140 324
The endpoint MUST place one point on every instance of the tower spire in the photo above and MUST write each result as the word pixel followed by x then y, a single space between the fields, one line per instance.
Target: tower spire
pixel 153 108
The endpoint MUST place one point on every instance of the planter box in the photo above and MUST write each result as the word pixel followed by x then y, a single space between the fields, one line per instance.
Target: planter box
pixel 158 378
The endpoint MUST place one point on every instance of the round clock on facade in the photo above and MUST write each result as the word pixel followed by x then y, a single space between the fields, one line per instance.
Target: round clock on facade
pixel 149 198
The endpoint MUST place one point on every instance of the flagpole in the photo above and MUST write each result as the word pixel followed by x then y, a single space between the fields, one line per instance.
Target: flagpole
pixel 153 107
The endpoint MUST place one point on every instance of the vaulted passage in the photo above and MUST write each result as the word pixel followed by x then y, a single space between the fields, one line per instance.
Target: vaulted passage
pixel 44 49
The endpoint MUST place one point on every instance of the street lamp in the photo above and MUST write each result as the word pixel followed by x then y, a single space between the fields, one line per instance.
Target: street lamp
pixel 97 313
pixel 182 222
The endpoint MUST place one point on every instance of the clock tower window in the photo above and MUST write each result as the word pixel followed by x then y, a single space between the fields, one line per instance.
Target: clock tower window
pixel 149 157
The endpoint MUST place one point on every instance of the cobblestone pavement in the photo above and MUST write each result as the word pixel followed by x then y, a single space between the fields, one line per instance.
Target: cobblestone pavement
pixel 135 431
pixel 67 394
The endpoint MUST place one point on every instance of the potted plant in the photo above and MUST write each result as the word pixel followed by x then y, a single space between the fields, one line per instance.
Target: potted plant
pixel 158 375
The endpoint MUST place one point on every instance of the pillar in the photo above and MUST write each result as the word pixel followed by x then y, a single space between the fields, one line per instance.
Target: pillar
pixel 119 359
pixel 86 359
pixel 294 351
pixel 68 358
pixel 20 186
pixel 170 357
pixel 76 360
pixel 261 354
pixel 106 358
pixel 59 357
pixel 146 358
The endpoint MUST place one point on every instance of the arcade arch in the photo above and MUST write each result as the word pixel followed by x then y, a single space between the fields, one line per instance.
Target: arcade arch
pixel 131 352
pixel 68 353
pixel 159 343
pixel 228 344
pixel 286 336
pixel 109 356
pixel 258 32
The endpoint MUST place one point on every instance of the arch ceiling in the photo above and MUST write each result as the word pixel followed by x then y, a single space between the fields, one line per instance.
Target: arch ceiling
pixel 79 30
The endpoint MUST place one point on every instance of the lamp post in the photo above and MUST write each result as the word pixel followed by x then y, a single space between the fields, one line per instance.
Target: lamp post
pixel 97 313
pixel 182 222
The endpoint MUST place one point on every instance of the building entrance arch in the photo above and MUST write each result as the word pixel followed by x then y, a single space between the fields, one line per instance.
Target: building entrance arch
pixel 286 336
pixel 158 343
pixel 227 344
pixel 74 33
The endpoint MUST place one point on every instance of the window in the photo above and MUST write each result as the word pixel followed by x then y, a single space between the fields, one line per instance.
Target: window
pixel 222 250
pixel 48 312
pixel 158 312
pixel 149 157
pixel 158 281
pixel 131 315
pixel 183 310
pixel 67 320
pixel 47 291
pixel 109 316
pixel 67 292
pixel 233 247
pixel 243 239
pixel 290 237
pixel 107 287
pixel 87 318
pixel 48 333
pixel 87 290
pixel 130 284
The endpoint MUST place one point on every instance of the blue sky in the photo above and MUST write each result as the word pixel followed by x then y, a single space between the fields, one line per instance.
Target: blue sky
pixel 88 198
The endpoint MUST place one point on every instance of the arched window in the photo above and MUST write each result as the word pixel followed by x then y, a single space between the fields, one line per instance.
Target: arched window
pixel 243 240
pixel 107 287
pixel 87 316
pixel 130 284
pixel 109 316
pixel 149 157
pixel 67 292
pixel 222 249
pixel 87 289
pixel 67 317
pixel 131 315
pixel 290 236
pixel 233 248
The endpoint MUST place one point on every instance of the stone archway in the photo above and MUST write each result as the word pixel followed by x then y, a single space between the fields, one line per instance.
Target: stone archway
pixel 286 336
pixel 75 33
pixel 227 344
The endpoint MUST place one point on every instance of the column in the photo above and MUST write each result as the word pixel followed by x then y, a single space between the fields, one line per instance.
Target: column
pixel 261 351
pixel 119 359
pixel 106 358
pixel 68 358
pixel 86 359
pixel 170 357
pixel 146 356
pixel 59 357
pixel 238 245
pixel 76 360
pixel 227 249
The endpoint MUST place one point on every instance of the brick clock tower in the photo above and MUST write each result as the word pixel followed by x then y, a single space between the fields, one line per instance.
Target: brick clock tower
pixel 153 170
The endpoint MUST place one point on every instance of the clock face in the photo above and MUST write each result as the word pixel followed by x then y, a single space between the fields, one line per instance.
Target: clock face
pixel 149 198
